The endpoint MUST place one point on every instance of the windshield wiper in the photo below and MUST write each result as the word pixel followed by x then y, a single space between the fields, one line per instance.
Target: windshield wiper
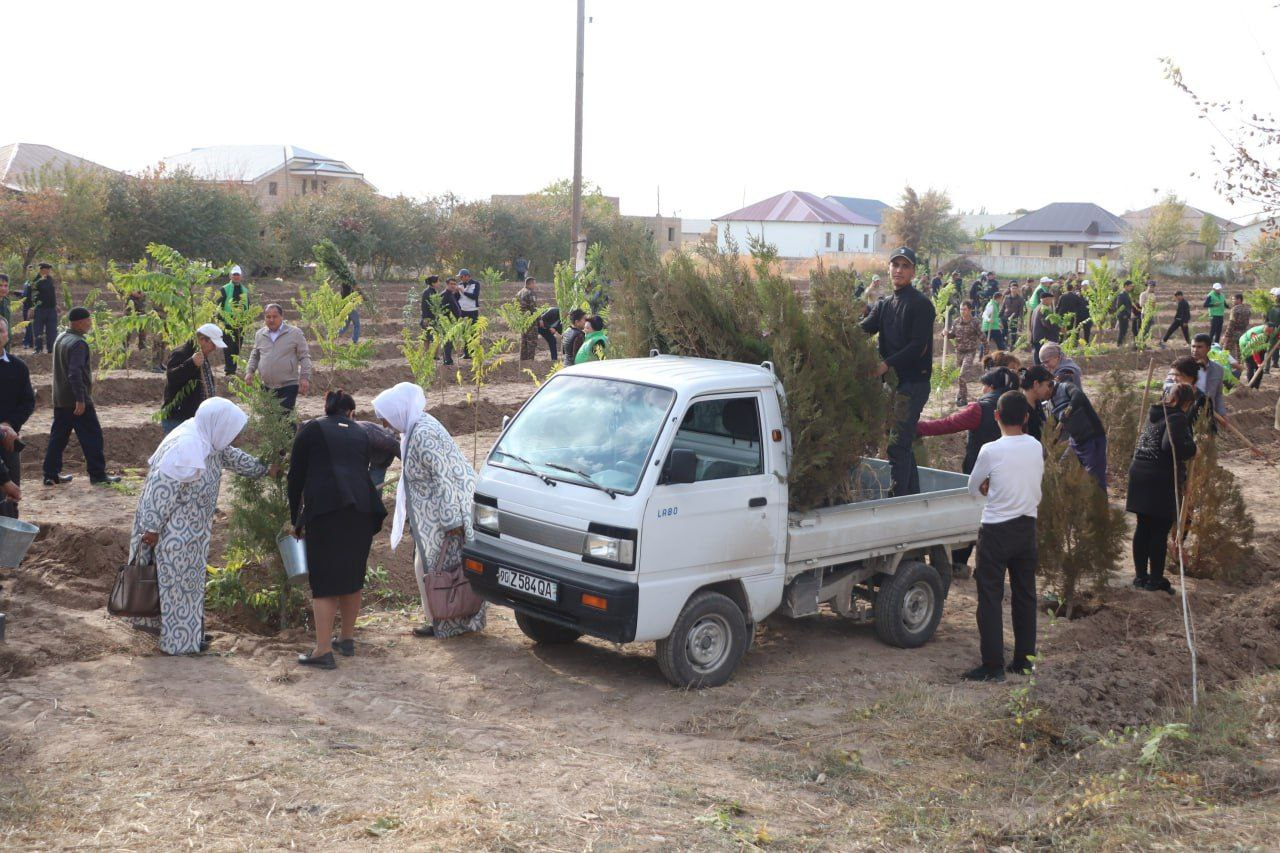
pixel 586 479
pixel 528 466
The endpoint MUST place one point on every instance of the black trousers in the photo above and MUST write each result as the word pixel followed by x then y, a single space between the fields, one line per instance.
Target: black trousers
pixel 1124 329
pixel 12 461
pixel 233 341
pixel 550 337
pixel 46 326
pixel 287 395
pixel 1215 329
pixel 87 430
pixel 1150 545
pixel 1009 546
pixel 1175 326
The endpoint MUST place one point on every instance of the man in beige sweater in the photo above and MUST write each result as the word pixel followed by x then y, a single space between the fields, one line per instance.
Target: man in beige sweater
pixel 281 357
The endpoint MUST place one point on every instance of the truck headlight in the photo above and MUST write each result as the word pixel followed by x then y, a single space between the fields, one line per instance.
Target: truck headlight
pixel 609 550
pixel 485 518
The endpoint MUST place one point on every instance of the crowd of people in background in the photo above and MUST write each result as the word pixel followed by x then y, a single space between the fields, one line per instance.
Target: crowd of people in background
pixel 1010 422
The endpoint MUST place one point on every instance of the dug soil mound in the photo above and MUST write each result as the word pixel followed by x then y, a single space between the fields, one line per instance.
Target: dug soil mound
pixel 1129 662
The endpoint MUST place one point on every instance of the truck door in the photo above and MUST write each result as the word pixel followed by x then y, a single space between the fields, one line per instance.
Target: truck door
pixel 729 522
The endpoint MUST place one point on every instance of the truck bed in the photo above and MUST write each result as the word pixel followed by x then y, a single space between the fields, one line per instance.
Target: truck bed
pixel 944 513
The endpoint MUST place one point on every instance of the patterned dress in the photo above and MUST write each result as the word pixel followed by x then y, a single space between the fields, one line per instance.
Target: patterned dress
pixel 968 338
pixel 182 513
pixel 439 486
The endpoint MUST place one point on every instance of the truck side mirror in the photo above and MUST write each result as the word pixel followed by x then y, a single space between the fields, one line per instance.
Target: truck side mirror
pixel 681 467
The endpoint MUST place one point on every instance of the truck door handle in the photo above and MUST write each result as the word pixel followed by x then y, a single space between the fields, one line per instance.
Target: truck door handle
pixel 755 502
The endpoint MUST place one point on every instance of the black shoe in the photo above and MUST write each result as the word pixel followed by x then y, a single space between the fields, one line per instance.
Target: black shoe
pixel 424 631
pixel 346 648
pixel 102 481
pixel 1020 666
pixel 1161 585
pixel 57 479
pixel 1143 583
pixel 324 661
pixel 983 673
pixel 447 363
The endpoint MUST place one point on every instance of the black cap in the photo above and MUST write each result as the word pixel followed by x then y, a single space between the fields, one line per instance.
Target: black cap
pixel 79 313
pixel 46 266
pixel 904 252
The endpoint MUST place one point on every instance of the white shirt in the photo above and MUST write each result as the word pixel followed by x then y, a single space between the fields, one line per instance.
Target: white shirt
pixel 1014 464
pixel 275 336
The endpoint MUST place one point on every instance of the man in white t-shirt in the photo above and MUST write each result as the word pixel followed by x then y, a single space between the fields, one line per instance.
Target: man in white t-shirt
pixel 1008 472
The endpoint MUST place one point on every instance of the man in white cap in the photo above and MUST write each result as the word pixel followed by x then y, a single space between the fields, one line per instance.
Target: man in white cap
pixel 188 380
pixel 469 295
pixel 1045 284
pixel 1216 302
pixel 232 301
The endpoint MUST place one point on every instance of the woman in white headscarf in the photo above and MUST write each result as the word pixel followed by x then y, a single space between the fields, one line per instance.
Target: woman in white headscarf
pixel 174 520
pixel 436 490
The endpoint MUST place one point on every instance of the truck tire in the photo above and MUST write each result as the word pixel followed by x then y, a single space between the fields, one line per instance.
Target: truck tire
pixel 545 633
pixel 908 606
pixel 706 643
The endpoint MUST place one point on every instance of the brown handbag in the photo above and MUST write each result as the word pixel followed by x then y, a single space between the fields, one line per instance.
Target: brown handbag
pixel 137 591
pixel 449 593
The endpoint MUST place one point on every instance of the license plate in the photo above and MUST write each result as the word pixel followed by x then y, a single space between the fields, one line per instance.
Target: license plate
pixel 528 584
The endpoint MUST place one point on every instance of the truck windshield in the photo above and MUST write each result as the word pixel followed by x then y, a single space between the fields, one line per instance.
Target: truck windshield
pixel 603 428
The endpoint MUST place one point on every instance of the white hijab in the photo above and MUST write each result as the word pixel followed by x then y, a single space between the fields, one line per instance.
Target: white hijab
pixel 182 454
pixel 401 406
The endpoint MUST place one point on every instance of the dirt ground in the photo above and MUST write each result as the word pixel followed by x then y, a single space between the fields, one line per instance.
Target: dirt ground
pixel 825 739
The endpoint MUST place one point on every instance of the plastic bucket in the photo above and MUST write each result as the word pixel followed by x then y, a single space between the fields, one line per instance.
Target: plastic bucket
pixel 294 554
pixel 15 538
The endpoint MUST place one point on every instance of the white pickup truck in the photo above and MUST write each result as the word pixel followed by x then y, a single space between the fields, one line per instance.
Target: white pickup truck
pixel 643 500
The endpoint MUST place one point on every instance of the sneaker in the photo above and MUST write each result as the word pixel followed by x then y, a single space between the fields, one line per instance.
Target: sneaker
pixel 983 673
pixel 102 481
pixel 1020 666
pixel 57 479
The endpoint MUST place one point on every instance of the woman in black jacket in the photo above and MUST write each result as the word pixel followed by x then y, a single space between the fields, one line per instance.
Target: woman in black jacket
pixel 336 510
pixel 1157 474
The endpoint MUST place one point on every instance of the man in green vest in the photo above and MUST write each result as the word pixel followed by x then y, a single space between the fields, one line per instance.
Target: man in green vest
pixel 1216 302
pixel 234 296
pixel 73 404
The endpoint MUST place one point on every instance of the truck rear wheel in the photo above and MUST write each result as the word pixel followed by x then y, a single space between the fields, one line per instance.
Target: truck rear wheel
pixel 908 606
pixel 706 643
pixel 545 633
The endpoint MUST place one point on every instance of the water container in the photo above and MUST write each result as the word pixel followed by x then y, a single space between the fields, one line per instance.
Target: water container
pixel 294 554
pixel 15 538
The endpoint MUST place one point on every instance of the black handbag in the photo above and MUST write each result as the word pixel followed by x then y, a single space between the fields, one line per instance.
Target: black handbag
pixel 137 590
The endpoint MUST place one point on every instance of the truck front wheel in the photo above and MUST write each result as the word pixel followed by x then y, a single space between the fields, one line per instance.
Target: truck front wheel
pixel 908 606
pixel 706 644
pixel 545 633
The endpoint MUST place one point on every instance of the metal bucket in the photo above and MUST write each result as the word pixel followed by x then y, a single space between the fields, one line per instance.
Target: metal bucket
pixel 15 538
pixel 294 554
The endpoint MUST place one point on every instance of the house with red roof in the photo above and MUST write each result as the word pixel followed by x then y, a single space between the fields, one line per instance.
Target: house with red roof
pixel 799 225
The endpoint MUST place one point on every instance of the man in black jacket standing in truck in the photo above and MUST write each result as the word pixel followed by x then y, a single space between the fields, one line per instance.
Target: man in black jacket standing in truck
pixel 904 322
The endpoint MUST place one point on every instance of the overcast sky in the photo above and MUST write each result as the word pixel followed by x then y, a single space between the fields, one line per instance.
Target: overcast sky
pixel 1004 104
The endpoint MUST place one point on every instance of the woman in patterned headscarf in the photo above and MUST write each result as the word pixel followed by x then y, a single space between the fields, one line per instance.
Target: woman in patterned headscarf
pixel 436 490
pixel 174 520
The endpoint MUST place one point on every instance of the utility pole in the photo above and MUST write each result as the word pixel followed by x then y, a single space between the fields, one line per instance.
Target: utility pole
pixel 575 233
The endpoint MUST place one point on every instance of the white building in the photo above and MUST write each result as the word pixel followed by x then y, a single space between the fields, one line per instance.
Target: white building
pixel 799 225
pixel 272 173
pixel 1245 236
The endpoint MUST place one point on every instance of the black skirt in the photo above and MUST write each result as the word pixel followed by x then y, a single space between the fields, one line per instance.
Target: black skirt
pixel 337 545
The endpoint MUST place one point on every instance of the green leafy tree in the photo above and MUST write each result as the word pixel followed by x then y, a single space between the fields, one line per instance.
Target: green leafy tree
pixel 325 312
pixel 926 224
pixel 1119 407
pixel 178 301
pixel 1155 239
pixel 486 351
